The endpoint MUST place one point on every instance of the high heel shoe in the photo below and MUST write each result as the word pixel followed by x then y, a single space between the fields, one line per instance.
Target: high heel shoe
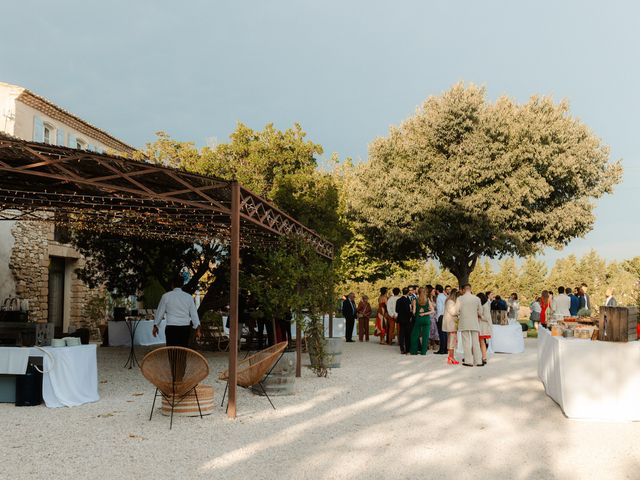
pixel 452 361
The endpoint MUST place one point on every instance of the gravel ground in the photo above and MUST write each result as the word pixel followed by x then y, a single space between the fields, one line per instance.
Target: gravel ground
pixel 381 415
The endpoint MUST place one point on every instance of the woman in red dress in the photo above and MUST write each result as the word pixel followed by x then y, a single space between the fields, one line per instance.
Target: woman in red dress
pixel 545 302
pixel 381 315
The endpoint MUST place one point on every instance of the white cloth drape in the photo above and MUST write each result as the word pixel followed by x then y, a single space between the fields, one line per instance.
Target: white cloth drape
pixel 591 380
pixel 507 338
pixel 119 335
pixel 70 375
pixel 14 360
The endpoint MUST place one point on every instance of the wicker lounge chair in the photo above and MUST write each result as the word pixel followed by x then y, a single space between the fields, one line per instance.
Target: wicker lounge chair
pixel 175 372
pixel 255 369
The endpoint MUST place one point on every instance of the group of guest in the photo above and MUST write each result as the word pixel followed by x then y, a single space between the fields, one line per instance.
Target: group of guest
pixel 567 303
pixel 420 317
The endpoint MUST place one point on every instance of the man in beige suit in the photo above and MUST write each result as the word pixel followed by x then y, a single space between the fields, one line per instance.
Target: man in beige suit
pixel 469 311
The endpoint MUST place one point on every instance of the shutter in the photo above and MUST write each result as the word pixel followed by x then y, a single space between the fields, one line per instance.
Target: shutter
pixel 60 137
pixel 72 140
pixel 38 129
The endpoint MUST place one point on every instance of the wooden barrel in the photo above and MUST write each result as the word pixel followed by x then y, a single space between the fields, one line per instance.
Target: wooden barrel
pixel 188 407
pixel 332 350
pixel 281 380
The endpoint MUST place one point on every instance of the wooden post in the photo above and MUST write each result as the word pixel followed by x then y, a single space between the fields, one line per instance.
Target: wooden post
pixel 234 292
pixel 331 323
pixel 298 350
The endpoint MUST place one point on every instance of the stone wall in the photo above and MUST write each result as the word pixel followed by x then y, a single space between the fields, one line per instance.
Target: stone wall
pixel 29 263
pixel 33 247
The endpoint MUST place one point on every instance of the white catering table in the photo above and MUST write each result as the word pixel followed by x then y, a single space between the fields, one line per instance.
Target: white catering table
pixel 507 338
pixel 119 335
pixel 339 325
pixel 591 380
pixel 70 373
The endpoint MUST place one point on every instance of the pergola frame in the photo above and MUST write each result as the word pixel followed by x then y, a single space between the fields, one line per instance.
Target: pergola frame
pixel 114 194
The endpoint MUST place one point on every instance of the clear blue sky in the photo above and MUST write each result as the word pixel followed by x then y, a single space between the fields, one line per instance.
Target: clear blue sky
pixel 346 70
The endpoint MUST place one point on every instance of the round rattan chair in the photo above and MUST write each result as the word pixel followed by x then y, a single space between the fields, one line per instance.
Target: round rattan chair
pixel 254 369
pixel 175 372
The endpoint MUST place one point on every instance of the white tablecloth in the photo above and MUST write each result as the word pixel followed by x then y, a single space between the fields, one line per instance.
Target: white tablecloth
pixel 507 338
pixel 13 360
pixel 338 327
pixel 119 335
pixel 70 375
pixel 591 380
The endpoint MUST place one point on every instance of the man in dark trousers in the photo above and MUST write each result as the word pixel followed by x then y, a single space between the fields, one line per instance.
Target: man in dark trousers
pixel 349 311
pixel 403 309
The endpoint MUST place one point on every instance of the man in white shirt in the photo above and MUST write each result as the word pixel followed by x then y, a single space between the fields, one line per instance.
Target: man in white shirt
pixel 561 305
pixel 393 315
pixel 440 299
pixel 469 310
pixel 179 310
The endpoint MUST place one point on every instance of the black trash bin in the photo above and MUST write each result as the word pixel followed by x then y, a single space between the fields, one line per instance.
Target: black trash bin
pixel 29 388
pixel 84 334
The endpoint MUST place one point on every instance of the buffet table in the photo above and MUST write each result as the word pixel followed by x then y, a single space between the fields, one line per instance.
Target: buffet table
pixel 70 373
pixel 120 336
pixel 507 338
pixel 591 380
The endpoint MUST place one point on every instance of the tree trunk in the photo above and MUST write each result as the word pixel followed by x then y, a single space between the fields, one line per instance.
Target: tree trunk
pixel 462 270
pixel 463 278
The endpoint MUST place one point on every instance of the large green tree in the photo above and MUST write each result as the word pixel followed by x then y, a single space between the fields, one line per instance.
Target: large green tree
pixel 279 165
pixel 465 178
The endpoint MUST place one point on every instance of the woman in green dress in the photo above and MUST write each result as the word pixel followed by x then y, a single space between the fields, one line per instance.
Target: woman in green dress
pixel 422 322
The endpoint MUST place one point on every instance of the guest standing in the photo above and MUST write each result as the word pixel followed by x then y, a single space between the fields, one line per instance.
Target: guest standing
pixel 422 324
pixel 469 311
pixel 179 310
pixel 364 314
pixel 450 325
pixel 284 324
pixel 611 300
pixel 513 308
pixel 381 315
pixel 534 316
pixel 561 305
pixel 392 315
pixel 574 301
pixel 403 309
pixel 485 325
pixel 349 311
pixel 544 307
pixel 440 299
pixel 585 301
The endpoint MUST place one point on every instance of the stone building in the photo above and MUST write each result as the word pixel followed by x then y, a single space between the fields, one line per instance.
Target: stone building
pixel 36 263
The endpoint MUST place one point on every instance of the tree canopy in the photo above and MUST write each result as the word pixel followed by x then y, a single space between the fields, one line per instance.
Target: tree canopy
pixel 464 178
pixel 279 165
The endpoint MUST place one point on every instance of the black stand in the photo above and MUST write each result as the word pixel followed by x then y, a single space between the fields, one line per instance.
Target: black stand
pixel 173 402
pixel 132 325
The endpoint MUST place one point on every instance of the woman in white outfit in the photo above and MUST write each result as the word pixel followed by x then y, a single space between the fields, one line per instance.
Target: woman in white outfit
pixel 450 325
pixel 485 325
pixel 513 308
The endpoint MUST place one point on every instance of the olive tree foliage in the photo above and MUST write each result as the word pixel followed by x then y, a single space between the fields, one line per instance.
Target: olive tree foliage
pixel 465 178
pixel 279 165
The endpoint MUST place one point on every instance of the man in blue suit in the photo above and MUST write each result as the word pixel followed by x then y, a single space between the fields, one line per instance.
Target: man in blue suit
pixel 575 302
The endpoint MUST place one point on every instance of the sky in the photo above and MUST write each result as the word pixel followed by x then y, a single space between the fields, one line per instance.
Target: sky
pixel 346 70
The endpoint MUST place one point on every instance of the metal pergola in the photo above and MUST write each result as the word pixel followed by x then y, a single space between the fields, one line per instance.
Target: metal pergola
pixel 41 182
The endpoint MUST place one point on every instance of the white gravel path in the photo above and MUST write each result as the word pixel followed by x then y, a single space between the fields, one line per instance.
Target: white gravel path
pixel 381 415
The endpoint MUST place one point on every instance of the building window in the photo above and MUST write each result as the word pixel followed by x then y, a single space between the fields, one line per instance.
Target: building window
pixel 48 133
pixel 61 234
pixel 81 144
